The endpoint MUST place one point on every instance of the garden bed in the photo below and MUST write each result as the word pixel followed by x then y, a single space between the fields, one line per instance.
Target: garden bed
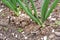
pixel 23 28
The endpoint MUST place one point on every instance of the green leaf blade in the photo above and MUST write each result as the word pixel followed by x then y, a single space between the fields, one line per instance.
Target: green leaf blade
pixel 51 9
pixel 26 10
pixel 34 8
pixel 44 9
pixel 13 7
pixel 9 4
pixel 14 1
pixel 27 5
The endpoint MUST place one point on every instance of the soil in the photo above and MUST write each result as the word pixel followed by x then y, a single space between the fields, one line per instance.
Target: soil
pixel 23 28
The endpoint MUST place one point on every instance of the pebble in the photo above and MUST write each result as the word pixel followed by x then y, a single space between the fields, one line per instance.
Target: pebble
pixel 8 39
pixel 23 32
pixel 57 34
pixel 1 34
pixel 8 17
pixel 51 36
pixel 17 23
pixel 53 30
pixel 23 24
pixel 24 15
pixel 26 37
pixel 58 18
pixel 16 35
pixel 33 33
pixel 53 19
pixel 45 37
pixel 2 6
pixel 49 17
pixel 1 10
pixel 14 18
pixel 13 34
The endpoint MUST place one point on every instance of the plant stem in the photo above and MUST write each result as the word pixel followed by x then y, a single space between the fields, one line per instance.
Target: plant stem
pixel 26 10
pixel 33 6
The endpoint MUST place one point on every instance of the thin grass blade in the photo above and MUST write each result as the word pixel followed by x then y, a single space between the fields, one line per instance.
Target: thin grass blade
pixel 10 5
pixel 51 8
pixel 44 9
pixel 27 5
pixel 14 2
pixel 14 5
pixel 34 8
pixel 26 10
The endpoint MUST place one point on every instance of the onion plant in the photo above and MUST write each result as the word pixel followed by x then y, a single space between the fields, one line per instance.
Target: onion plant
pixel 45 13
pixel 45 10
pixel 12 4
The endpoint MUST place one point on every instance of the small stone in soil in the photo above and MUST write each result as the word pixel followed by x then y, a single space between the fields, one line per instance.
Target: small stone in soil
pixel 23 32
pixel 1 10
pixel 45 37
pixel 16 35
pixel 53 30
pixel 51 36
pixel 33 33
pixel 52 19
pixel 57 34
pixel 23 24
pixel 26 37
pixel 2 6
pixel 13 34
pixel 1 34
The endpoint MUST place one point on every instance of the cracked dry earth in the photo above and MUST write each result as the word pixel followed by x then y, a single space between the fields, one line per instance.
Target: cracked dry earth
pixel 9 25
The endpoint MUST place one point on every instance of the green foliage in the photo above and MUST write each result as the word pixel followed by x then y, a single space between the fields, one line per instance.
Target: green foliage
pixel 14 2
pixel 45 13
pixel 33 6
pixel 11 5
pixel 27 5
pixel 51 9
pixel 44 9
pixel 28 12
pixel 19 30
